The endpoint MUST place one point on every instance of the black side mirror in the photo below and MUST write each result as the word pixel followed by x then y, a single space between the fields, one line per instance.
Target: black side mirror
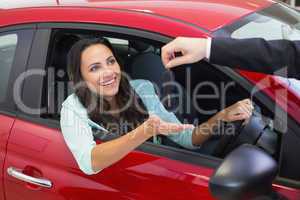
pixel 246 173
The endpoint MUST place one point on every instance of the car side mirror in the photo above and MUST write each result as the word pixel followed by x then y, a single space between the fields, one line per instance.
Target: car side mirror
pixel 246 173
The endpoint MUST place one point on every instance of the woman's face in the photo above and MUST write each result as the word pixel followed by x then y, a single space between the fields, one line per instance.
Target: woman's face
pixel 100 70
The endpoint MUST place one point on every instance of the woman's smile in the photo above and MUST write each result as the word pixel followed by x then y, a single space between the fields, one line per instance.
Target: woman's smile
pixel 110 81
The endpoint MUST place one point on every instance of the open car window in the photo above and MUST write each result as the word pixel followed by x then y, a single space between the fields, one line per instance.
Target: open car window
pixel 142 60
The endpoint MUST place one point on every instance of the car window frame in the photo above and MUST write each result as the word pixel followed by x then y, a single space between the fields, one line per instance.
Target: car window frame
pixel 25 34
pixel 43 36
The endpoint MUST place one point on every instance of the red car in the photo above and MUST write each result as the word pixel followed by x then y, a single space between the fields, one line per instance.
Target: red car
pixel 35 37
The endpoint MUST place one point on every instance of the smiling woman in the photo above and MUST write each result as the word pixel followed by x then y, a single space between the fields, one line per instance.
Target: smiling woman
pixel 101 88
pixel 93 62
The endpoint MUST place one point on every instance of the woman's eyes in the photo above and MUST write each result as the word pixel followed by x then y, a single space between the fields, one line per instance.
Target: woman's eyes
pixel 111 61
pixel 94 68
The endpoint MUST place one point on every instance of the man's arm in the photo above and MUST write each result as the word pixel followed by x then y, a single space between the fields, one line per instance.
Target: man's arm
pixel 257 55
pixel 250 54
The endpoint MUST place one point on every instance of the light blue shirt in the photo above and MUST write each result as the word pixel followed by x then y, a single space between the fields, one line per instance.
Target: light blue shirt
pixel 76 126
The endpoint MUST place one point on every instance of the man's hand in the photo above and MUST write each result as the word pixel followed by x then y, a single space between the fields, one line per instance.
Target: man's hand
pixel 192 50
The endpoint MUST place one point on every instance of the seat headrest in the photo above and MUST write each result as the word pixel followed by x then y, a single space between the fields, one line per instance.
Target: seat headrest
pixel 61 51
pixel 139 45
pixel 150 67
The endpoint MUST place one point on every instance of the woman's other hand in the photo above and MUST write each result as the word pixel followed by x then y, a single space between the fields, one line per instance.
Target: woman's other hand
pixel 242 110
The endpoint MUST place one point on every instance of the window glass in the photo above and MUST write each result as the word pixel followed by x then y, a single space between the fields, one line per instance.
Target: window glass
pixel 8 44
pixel 274 23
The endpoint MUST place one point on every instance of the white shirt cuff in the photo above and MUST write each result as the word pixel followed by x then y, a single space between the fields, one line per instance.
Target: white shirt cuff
pixel 208 48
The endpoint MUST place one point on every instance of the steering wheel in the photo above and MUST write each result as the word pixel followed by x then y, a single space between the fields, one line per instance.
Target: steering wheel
pixel 242 134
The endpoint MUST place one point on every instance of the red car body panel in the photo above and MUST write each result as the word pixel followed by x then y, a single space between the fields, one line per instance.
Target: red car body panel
pixel 5 128
pixel 139 175
pixel 136 20
pixel 278 90
pixel 219 12
pixel 288 192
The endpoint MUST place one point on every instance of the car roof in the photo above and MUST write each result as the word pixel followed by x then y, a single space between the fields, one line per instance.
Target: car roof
pixel 208 14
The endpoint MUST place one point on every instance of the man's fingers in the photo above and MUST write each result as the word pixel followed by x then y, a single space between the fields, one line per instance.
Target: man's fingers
pixel 166 57
pixel 178 61
pixel 168 54
pixel 192 49
pixel 168 51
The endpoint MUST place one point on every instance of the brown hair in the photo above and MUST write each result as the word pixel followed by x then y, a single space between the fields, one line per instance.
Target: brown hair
pixel 135 113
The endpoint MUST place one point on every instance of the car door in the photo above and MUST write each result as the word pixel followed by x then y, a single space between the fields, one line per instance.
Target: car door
pixel 14 48
pixel 42 166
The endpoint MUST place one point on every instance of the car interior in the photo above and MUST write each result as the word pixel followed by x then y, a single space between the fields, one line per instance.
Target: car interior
pixel 141 60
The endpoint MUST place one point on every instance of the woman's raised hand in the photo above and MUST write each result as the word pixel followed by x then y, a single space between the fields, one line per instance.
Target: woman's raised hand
pixel 154 126
pixel 242 110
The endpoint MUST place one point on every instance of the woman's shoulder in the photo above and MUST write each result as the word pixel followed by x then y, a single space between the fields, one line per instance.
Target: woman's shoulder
pixel 71 100
pixel 73 103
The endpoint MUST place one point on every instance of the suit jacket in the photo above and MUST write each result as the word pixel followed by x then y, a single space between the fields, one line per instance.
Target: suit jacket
pixel 257 55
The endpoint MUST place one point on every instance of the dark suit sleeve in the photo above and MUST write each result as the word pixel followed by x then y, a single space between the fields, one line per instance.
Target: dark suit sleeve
pixel 257 55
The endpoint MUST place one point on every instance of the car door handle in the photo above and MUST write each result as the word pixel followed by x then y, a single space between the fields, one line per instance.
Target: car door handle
pixel 17 173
